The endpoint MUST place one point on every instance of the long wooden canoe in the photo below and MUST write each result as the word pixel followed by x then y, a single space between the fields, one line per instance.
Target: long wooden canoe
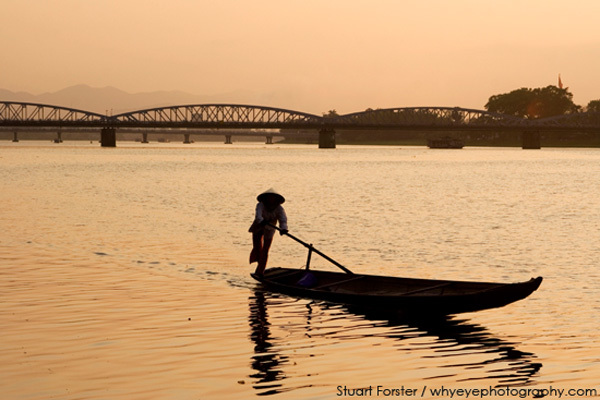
pixel 405 294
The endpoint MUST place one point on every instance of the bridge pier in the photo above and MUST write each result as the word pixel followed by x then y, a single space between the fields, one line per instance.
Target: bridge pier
pixel 108 137
pixel 269 139
pixel 327 138
pixel 186 138
pixel 15 137
pixel 58 137
pixel 145 138
pixel 531 140
pixel 228 139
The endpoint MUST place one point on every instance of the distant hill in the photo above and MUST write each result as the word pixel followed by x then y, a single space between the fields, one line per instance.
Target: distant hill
pixel 114 101
pixel 7 95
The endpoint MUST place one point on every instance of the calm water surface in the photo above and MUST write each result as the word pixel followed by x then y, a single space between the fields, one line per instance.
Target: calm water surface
pixel 476 214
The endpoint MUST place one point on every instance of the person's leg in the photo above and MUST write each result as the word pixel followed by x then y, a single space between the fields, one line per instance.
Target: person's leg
pixel 257 243
pixel 264 254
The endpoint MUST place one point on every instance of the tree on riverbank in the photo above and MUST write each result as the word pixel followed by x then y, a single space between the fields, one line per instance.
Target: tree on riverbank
pixel 331 114
pixel 593 106
pixel 533 103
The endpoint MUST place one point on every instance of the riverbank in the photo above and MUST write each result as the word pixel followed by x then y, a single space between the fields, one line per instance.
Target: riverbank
pixel 469 138
pixel 361 138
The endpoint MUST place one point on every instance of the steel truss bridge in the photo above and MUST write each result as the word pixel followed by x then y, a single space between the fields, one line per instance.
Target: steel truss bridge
pixel 235 116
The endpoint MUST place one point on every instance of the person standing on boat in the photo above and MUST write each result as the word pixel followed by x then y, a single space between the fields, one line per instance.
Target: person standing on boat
pixel 268 211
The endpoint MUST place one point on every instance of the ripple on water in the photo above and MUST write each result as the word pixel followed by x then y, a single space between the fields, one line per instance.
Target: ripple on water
pixel 187 321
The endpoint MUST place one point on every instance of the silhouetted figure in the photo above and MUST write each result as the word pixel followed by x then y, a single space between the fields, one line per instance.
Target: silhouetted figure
pixel 268 211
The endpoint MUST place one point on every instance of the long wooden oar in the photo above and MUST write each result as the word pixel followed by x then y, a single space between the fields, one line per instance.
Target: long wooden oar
pixel 312 249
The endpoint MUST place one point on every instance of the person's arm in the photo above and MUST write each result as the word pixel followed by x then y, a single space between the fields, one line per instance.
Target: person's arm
pixel 258 216
pixel 282 217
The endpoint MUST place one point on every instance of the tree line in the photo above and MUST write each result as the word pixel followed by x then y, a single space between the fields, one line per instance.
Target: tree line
pixel 538 103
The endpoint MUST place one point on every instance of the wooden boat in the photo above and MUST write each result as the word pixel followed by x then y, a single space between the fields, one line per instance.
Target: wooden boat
pixel 405 294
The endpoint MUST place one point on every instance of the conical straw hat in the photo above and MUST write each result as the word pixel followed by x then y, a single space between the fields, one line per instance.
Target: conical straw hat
pixel 271 191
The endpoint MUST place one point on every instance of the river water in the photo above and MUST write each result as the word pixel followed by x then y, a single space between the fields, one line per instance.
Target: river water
pixel 124 271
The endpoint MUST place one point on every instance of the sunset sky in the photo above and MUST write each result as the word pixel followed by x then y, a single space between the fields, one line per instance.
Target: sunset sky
pixel 305 55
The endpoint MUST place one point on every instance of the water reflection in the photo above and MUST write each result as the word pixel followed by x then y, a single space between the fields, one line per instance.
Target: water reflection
pixel 468 351
pixel 267 362
pixel 453 336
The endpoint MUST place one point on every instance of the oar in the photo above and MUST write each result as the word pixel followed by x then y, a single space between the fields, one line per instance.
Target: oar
pixel 311 249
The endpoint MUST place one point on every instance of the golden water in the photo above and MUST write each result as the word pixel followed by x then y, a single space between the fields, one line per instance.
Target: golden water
pixel 124 275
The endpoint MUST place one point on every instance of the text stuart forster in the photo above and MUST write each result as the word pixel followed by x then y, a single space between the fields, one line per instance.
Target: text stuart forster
pixel 443 392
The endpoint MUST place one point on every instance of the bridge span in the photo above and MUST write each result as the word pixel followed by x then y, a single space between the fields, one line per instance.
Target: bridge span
pixel 236 116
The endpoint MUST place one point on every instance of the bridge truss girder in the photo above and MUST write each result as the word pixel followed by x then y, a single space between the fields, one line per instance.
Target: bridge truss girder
pixel 33 114
pixel 428 118
pixel 232 116
pixel 218 116
pixel 584 121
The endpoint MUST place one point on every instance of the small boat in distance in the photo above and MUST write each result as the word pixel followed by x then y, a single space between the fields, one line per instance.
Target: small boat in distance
pixel 446 142
pixel 409 295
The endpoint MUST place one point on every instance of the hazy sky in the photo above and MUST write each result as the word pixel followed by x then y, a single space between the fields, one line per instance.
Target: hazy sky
pixel 307 55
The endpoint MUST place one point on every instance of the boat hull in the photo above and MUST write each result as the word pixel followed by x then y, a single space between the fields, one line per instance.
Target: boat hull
pixel 445 143
pixel 405 294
